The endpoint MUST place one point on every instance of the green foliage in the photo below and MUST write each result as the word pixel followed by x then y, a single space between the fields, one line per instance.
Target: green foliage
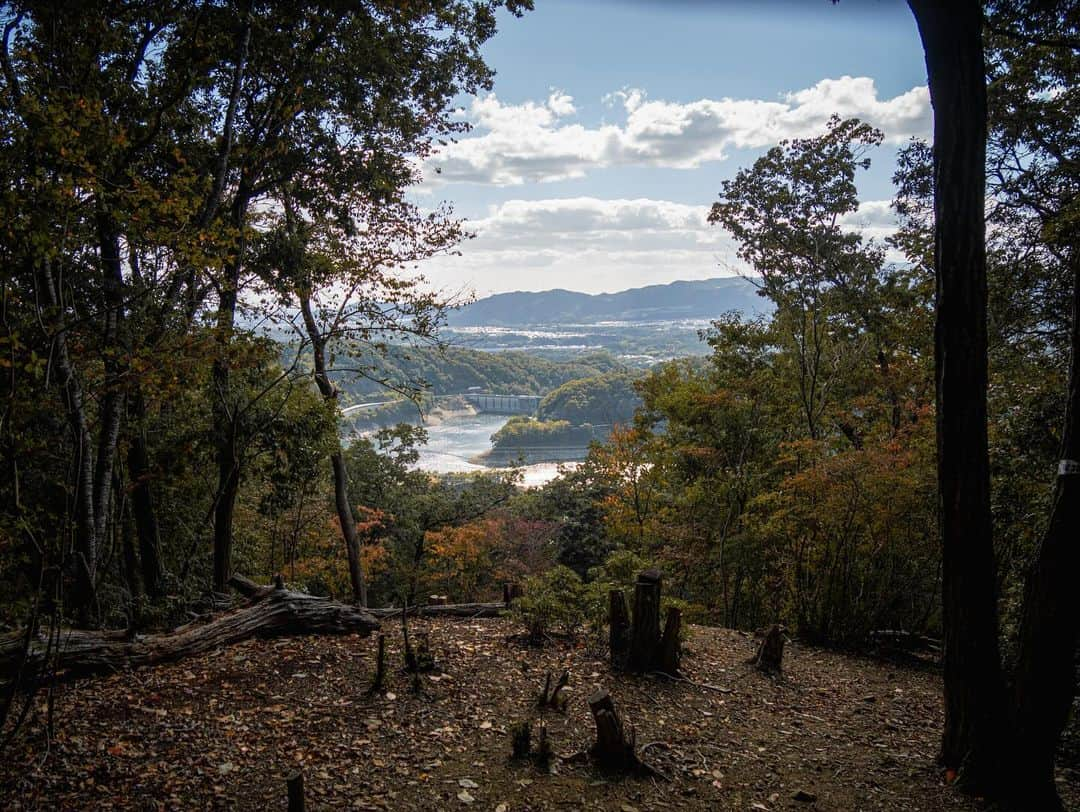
pixel 525 433
pixel 600 400
pixel 553 600
pixel 454 370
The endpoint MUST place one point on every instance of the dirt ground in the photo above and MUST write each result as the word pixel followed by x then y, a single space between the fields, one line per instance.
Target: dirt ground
pixel 224 730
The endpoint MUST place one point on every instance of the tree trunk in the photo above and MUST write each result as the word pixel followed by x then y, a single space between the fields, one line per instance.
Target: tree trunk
pixel 86 539
pixel 272 612
pixel 225 508
pixel 112 404
pixel 974 688
pixel 348 528
pixel 225 420
pixel 142 499
pixel 337 460
pixel 1046 671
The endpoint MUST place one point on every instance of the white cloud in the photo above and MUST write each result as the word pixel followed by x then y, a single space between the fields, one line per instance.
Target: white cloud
pixel 587 244
pixel 533 142
pixel 596 245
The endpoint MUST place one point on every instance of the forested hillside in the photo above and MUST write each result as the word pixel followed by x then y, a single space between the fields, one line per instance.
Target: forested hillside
pixel 826 560
pixel 671 302
pixel 454 370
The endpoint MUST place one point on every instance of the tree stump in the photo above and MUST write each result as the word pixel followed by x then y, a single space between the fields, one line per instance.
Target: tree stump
pixel 670 651
pixel 618 629
pixel 510 592
pixel 295 784
pixel 613 749
pixel 770 653
pixel 645 629
pixel 521 739
pixel 553 696
pixel 544 751
pixel 436 600
pixel 379 681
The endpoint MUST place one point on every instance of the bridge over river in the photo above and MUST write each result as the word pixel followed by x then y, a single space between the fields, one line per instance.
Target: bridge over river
pixel 483 402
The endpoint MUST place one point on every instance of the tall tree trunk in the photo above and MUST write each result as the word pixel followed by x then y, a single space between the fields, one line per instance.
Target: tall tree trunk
pixel 86 539
pixel 225 423
pixel 1046 670
pixel 974 687
pixel 147 529
pixel 337 459
pixel 112 406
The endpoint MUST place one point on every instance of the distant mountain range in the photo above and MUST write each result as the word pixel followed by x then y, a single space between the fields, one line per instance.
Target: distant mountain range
pixel 705 299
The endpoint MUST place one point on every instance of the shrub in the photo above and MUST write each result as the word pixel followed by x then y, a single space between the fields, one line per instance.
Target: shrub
pixel 553 600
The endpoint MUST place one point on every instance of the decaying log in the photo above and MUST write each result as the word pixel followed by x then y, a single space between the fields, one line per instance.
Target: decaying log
pixel 271 612
pixel 669 652
pixel 618 629
pixel 614 750
pixel 770 654
pixel 468 610
pixel 553 696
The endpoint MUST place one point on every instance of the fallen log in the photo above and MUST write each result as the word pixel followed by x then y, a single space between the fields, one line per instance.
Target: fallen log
pixel 270 612
pixel 444 610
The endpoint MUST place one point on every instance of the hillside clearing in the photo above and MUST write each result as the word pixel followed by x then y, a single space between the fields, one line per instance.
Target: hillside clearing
pixel 222 730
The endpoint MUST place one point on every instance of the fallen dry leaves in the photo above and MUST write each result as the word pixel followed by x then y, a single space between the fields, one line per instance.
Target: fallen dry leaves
pixel 223 731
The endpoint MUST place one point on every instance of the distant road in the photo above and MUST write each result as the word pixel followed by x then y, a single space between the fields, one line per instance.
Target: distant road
pixel 483 401
pixel 357 407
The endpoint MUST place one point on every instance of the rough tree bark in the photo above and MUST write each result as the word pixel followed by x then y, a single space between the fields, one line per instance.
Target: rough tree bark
pixel 645 631
pixel 226 421
pixel 974 687
pixel 142 499
pixel 1046 671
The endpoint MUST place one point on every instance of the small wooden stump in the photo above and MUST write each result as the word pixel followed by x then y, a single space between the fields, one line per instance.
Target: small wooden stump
pixel 770 653
pixel 614 750
pixel 553 696
pixel 670 651
pixel 510 592
pixel 436 600
pixel 544 752
pixel 295 784
pixel 521 739
pixel 618 629
pixel 379 682
pixel 645 631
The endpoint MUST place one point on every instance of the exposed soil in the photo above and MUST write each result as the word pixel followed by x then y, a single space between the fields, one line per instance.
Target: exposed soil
pixel 224 730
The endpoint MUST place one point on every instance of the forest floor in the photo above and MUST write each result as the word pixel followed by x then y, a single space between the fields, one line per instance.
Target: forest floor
pixel 223 730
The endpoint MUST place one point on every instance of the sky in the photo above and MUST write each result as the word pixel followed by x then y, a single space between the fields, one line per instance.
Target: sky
pixel 592 163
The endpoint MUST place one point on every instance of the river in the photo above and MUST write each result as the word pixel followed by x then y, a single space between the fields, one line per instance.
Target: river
pixel 455 440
